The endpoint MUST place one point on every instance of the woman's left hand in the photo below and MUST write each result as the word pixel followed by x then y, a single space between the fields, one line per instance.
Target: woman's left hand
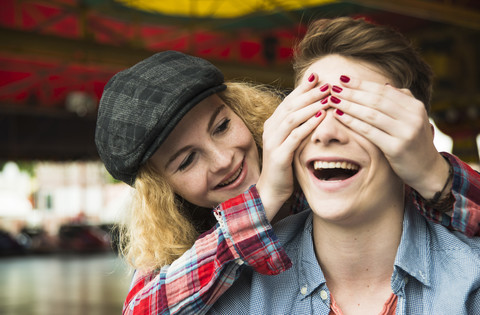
pixel 397 123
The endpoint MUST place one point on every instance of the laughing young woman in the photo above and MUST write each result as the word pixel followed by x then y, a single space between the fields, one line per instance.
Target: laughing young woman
pixel 171 128
pixel 364 249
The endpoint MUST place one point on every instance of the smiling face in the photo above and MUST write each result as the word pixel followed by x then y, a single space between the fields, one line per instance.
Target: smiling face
pixel 344 176
pixel 210 156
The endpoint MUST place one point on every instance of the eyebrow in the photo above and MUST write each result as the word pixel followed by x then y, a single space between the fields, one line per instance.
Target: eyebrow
pixel 214 116
pixel 176 154
pixel 217 111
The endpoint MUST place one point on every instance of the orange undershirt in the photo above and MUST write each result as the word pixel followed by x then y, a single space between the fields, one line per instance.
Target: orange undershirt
pixel 389 307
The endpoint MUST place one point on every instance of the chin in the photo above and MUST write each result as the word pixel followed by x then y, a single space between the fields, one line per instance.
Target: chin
pixel 334 211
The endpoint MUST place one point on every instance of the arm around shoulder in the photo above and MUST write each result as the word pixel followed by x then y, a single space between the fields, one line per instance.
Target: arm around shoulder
pixel 192 283
pixel 464 214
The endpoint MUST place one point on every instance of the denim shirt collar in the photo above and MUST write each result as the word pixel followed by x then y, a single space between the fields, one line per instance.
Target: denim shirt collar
pixel 413 250
pixel 310 274
pixel 411 258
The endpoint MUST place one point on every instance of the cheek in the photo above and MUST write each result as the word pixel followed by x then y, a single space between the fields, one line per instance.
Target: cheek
pixel 243 136
pixel 242 139
pixel 240 131
pixel 189 185
pixel 300 172
pixel 299 155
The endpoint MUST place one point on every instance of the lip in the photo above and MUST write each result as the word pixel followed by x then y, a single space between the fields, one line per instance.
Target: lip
pixel 332 186
pixel 237 182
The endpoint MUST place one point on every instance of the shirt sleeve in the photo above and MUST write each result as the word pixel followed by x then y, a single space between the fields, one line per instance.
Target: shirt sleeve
pixel 193 282
pixel 465 215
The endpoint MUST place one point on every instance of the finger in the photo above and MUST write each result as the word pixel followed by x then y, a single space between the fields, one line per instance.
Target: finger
pixel 363 85
pixel 276 131
pixel 396 103
pixel 381 139
pixel 406 98
pixel 365 120
pixel 295 138
pixel 374 93
pixel 370 116
pixel 306 84
pixel 361 100
pixel 295 101
pixel 404 91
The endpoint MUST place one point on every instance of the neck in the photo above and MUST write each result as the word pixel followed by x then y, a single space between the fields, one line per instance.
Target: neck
pixel 357 260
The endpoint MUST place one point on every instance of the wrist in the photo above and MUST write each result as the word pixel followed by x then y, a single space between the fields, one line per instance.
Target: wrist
pixel 437 181
pixel 271 205
pixel 443 199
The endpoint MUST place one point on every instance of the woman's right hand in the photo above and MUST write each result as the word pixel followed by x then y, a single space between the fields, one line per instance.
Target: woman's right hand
pixel 293 120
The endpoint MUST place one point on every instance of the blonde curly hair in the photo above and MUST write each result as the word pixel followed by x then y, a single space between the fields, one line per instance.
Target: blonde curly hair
pixel 160 226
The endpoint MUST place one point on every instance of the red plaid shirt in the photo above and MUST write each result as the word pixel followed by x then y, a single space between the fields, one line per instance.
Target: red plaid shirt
pixel 192 283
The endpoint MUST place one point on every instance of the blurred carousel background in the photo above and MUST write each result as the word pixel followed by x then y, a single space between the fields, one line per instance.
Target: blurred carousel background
pixel 58 204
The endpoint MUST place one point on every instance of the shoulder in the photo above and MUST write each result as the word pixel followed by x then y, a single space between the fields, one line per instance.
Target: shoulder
pixel 444 263
pixel 445 240
pixel 454 257
pixel 436 250
pixel 254 293
pixel 437 238
pixel 289 229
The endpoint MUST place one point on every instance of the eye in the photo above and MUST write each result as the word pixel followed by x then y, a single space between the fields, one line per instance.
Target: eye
pixel 222 127
pixel 186 162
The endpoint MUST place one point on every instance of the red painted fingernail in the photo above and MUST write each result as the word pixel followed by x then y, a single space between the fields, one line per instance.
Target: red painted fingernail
pixel 336 89
pixel 324 101
pixel 344 79
pixel 318 114
pixel 339 112
pixel 311 78
pixel 334 99
pixel 324 87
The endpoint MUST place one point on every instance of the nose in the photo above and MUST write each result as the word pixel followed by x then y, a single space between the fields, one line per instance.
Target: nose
pixel 330 130
pixel 220 158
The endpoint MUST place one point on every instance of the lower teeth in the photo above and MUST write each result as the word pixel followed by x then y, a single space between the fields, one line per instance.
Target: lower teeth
pixel 228 183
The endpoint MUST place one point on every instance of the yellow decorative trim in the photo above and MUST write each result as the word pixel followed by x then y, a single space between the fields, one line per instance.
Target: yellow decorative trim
pixel 220 8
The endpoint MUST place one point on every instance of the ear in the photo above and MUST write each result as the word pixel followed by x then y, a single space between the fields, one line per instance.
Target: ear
pixel 433 130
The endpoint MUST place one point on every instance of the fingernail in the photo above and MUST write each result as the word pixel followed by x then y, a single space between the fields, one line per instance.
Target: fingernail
pixel 334 99
pixel 318 114
pixel 324 101
pixel 336 89
pixel 311 78
pixel 339 112
pixel 324 87
pixel 344 79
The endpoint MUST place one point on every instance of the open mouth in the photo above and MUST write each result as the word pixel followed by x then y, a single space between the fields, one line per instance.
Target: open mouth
pixel 334 171
pixel 232 178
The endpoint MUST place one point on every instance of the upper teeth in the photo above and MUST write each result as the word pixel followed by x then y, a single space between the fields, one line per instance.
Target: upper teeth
pixel 232 178
pixel 345 165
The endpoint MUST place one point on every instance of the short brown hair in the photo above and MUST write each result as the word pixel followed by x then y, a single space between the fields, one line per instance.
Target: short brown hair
pixel 378 45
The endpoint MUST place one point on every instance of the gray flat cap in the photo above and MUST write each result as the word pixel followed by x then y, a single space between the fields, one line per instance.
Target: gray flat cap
pixel 141 105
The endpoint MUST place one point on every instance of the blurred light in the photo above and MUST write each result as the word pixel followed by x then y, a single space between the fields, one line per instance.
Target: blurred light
pixel 442 142
pixel 478 145
pixel 80 103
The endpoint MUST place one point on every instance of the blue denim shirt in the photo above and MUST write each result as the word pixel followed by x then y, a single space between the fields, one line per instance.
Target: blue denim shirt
pixel 436 271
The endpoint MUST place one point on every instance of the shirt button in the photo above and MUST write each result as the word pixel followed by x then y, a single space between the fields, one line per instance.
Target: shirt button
pixel 323 295
pixel 405 280
pixel 239 262
pixel 303 290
